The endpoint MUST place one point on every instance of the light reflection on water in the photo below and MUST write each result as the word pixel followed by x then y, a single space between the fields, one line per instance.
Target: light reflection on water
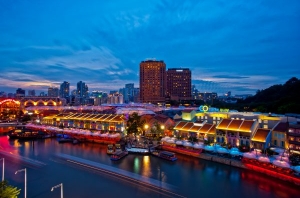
pixel 191 175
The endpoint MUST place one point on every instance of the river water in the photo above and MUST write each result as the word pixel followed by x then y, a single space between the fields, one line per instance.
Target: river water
pixel 187 177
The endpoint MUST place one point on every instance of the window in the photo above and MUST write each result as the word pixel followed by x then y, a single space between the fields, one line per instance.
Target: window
pixel 265 126
pixel 282 143
pixel 275 142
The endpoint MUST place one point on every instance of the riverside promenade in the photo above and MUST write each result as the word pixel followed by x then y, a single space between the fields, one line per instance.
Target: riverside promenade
pixel 237 163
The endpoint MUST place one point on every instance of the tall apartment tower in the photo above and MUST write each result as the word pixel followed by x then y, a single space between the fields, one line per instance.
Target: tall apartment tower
pixel 53 92
pixel 152 81
pixel 65 89
pixel 179 84
pixel 82 89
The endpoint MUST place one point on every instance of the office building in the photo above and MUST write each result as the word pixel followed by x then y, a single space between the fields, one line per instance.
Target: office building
pixel 152 81
pixel 20 93
pixel 31 92
pixel 53 92
pixel 179 85
pixel 65 90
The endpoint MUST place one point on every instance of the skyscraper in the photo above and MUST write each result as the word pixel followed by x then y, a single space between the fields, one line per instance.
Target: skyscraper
pixel 65 90
pixel 82 89
pixel 152 81
pixel 31 92
pixel 128 92
pixel 81 93
pixel 53 92
pixel 179 85
pixel 20 93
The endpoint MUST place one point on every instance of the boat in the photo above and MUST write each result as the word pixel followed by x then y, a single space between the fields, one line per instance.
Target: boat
pixel 118 155
pixel 165 155
pixel 138 150
pixel 118 147
pixel 22 134
pixel 110 149
pixel 63 138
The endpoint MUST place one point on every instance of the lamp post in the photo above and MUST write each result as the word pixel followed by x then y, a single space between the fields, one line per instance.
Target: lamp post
pixel 146 128
pixel 162 127
pixel 61 189
pixel 2 169
pixel 25 189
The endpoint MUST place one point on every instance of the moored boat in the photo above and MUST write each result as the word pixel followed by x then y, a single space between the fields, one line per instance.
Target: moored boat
pixel 118 155
pixel 110 149
pixel 165 155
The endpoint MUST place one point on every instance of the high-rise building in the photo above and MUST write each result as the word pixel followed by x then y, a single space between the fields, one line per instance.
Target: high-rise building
pixel 20 93
pixel 128 92
pixel 152 81
pixel 179 85
pixel 31 92
pixel 81 92
pixel 53 92
pixel 82 89
pixel 65 90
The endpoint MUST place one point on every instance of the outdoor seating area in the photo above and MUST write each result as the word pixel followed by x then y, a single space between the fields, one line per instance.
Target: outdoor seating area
pixel 79 133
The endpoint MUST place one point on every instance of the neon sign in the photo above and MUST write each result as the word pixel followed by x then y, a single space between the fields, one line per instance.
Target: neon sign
pixel 203 108
pixel 9 100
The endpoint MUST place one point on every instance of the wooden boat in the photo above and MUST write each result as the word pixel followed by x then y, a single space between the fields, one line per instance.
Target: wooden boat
pixel 110 149
pixel 22 134
pixel 118 155
pixel 165 155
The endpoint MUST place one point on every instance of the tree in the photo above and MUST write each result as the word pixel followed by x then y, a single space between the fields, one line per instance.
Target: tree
pixel 135 124
pixel 157 129
pixel 7 191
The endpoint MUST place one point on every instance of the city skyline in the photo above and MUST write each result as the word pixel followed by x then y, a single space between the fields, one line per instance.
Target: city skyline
pixel 236 46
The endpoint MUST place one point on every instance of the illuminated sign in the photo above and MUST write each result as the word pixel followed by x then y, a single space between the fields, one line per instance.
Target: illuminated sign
pixel 9 100
pixel 203 108
pixel 224 110
pixel 179 70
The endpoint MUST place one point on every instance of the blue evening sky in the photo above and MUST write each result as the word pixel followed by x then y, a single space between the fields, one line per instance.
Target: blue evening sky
pixel 232 45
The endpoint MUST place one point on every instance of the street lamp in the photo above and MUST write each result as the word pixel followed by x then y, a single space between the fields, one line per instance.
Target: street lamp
pixel 25 189
pixel 146 128
pixel 2 169
pixel 61 189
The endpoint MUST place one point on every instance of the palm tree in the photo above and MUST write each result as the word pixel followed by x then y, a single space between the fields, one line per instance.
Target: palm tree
pixel 135 124
pixel 7 191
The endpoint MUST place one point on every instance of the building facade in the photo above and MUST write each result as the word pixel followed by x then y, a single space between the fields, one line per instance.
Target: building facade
pixel 53 92
pixel 65 90
pixel 179 84
pixel 152 81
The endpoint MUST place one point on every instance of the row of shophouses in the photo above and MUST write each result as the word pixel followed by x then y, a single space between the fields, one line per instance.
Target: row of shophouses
pixel 258 131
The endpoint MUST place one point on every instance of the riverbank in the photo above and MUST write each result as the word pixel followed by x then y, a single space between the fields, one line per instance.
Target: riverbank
pixel 237 163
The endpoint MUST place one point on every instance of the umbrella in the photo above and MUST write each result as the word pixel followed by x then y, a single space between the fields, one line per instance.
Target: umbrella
pixel 264 159
pixel 209 148
pixel 249 155
pixel 171 141
pixel 187 144
pixel 284 158
pixel 234 152
pixel 282 164
pixel 277 150
pixel 222 150
pixel 179 142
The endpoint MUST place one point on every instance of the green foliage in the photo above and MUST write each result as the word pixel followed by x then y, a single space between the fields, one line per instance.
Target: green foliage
pixel 135 124
pixel 276 99
pixel 156 129
pixel 7 191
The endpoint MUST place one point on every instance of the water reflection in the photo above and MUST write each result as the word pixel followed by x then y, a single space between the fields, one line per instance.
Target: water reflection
pixel 193 177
